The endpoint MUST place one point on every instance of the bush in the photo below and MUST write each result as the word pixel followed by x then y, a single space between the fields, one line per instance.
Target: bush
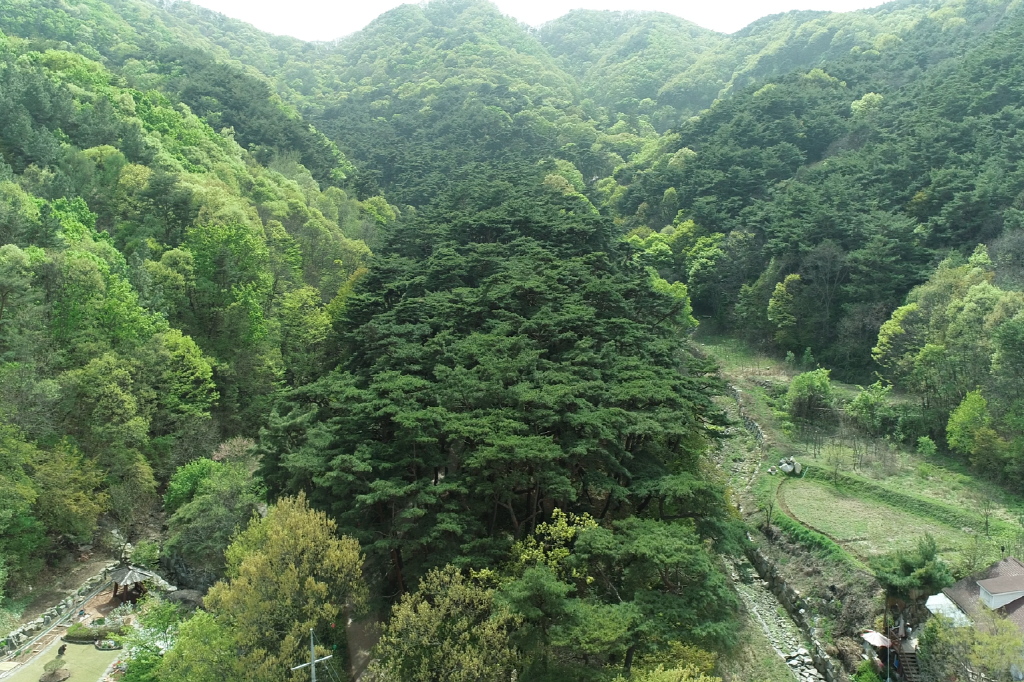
pixel 82 634
pixel 660 674
pixel 872 410
pixel 680 656
pixel 142 667
pixel 146 554
pixel 866 672
pixel 926 446
pixel 55 664
pixel 185 482
pixel 810 395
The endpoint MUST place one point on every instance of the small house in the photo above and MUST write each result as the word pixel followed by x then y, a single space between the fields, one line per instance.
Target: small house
pixel 1000 587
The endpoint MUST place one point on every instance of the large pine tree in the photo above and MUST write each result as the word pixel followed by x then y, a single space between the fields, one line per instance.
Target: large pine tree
pixel 505 356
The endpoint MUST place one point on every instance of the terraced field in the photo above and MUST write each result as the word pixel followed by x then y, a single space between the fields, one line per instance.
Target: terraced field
pixel 862 527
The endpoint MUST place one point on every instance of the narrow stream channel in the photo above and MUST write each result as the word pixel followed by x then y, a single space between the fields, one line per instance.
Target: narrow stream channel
pixel 764 607
pixel 780 630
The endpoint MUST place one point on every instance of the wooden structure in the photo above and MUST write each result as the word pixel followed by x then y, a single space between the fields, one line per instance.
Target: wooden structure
pixel 129 577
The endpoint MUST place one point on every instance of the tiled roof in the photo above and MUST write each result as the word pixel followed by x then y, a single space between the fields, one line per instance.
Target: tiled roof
pixel 967 594
pixel 1003 584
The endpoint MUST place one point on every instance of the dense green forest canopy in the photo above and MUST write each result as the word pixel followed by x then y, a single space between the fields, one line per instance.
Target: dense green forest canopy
pixel 431 287
pixel 670 69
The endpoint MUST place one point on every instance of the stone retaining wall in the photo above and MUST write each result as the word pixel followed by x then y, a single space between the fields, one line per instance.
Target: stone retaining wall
pixel 75 599
pixel 748 421
pixel 789 597
pixel 796 607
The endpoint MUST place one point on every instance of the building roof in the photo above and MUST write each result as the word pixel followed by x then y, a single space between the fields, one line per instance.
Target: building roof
pixel 967 593
pixel 129 575
pixel 940 603
pixel 1003 584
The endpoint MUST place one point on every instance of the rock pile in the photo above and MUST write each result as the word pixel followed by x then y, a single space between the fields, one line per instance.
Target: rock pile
pixel 803 665
pixel 794 603
pixel 783 634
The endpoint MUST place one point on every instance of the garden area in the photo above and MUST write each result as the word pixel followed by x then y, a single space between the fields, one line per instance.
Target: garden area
pixel 866 486
pixel 861 526
pixel 84 661
pixel 873 481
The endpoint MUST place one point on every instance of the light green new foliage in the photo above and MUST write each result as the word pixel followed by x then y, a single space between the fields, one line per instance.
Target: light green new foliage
pixel 146 553
pixel 872 409
pixel 810 394
pixel 14 277
pixel 660 674
pixel 966 421
pixel 866 105
pixel 185 482
pixel 926 446
pixel 992 649
pixel 449 630
pixel 205 650
pixel 782 310
pixel 551 542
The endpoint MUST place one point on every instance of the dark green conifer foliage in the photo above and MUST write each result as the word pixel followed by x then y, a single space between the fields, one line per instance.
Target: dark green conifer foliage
pixel 498 360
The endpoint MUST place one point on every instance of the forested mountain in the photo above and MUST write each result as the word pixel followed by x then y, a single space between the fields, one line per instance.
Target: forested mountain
pixel 158 285
pixel 843 179
pixel 669 69
pixel 432 286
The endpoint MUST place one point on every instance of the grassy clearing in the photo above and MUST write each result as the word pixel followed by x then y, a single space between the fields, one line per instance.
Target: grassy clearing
pixel 862 526
pixel 938 478
pixel 737 358
pixel 935 493
pixel 85 662
pixel 890 495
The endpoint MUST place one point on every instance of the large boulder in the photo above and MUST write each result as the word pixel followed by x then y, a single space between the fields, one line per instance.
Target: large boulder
pixel 189 598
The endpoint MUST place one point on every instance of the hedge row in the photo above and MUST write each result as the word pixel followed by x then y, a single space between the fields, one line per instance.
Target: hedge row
pixel 81 634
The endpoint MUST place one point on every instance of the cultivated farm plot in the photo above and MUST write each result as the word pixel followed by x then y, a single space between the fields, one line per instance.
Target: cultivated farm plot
pixel 863 527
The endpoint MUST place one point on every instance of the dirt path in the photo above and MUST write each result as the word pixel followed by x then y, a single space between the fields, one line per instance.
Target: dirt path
pixel 55 584
pixel 741 462
pixel 362 636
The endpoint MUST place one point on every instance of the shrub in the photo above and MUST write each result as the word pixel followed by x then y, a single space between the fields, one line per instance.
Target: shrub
pixel 680 656
pixel 55 664
pixel 660 674
pixel 83 634
pixel 185 482
pixel 926 446
pixel 146 554
pixel 810 395
pixel 866 672
pixel 966 420
pixel 872 410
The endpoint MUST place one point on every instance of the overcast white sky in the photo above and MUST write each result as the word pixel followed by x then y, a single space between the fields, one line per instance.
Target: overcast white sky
pixel 329 19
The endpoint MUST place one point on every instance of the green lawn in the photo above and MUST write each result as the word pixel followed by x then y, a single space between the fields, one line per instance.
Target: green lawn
pixel 863 527
pixel 85 662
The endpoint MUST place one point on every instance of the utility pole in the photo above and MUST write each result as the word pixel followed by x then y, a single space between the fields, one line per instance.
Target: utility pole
pixel 313 660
